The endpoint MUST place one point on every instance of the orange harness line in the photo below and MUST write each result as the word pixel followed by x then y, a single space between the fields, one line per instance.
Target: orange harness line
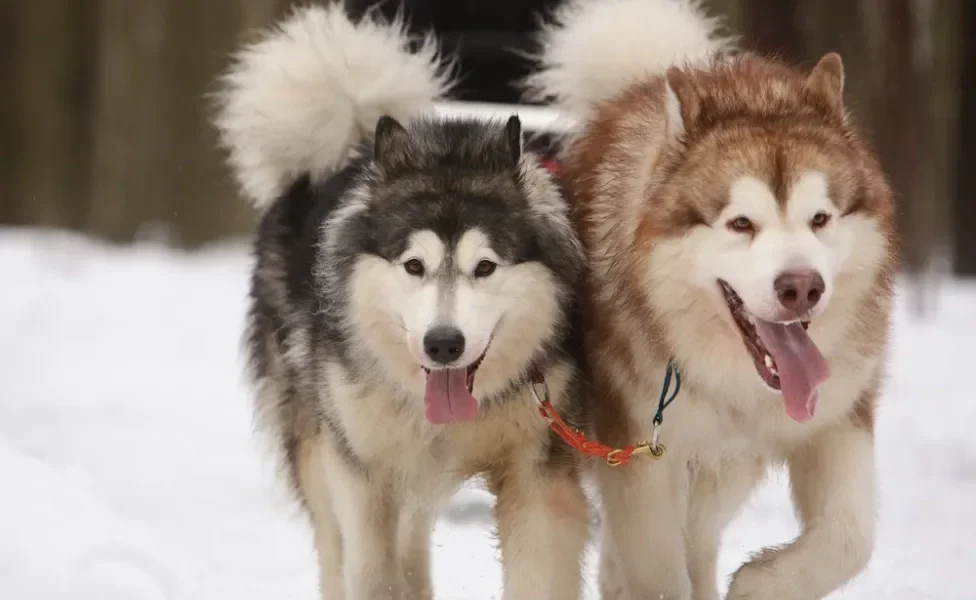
pixel 614 457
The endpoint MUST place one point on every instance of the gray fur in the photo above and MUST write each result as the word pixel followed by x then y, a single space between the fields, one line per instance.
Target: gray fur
pixel 339 369
pixel 455 176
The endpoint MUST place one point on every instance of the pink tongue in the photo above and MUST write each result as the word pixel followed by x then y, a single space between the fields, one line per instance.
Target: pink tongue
pixel 802 369
pixel 447 397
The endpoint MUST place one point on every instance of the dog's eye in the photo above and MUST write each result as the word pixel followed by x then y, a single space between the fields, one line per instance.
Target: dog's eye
pixel 414 267
pixel 484 268
pixel 819 220
pixel 741 225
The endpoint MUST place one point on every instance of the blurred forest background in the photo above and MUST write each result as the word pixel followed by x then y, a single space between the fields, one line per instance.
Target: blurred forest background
pixel 103 121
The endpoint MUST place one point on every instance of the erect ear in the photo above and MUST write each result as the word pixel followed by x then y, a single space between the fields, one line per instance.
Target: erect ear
pixel 513 138
pixel 391 143
pixel 827 81
pixel 681 101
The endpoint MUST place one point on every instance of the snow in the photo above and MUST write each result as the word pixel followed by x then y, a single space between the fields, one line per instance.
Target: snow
pixel 130 470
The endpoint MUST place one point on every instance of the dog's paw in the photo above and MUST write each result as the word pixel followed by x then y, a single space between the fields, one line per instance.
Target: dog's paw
pixel 757 580
pixel 746 584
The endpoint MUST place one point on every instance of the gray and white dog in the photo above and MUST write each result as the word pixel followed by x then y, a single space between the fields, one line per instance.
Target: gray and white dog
pixel 411 280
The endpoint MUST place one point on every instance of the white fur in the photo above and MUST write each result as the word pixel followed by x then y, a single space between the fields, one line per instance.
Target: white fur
pixel 595 49
pixel 419 294
pixel 726 429
pixel 385 521
pixel 782 242
pixel 672 105
pixel 477 307
pixel 373 533
pixel 833 483
pixel 723 432
pixel 513 309
pixel 298 99
pixel 426 247
pixel 683 272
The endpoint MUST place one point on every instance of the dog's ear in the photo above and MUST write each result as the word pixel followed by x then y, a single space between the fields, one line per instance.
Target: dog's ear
pixel 391 143
pixel 826 82
pixel 513 138
pixel 681 101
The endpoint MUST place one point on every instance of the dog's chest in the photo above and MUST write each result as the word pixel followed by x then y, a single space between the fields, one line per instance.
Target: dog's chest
pixel 724 423
pixel 708 433
pixel 392 433
pixel 380 427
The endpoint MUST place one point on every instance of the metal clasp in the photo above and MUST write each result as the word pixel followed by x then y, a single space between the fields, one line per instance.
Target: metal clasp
pixel 655 447
pixel 652 449
pixel 612 458
pixel 542 399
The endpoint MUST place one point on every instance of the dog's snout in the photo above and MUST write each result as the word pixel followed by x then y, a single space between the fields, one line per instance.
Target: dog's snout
pixel 799 291
pixel 444 344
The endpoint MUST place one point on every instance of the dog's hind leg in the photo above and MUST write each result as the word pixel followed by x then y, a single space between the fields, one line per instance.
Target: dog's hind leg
pixel 315 494
pixel 543 522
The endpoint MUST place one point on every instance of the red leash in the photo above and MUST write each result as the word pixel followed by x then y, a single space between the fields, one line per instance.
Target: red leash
pixel 614 457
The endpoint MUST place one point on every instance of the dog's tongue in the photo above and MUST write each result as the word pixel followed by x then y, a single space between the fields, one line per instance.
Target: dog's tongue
pixel 447 397
pixel 802 369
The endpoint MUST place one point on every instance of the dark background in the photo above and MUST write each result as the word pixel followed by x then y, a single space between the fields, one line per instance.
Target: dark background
pixel 103 121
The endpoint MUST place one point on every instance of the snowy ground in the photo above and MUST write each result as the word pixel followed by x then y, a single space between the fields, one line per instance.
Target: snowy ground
pixel 129 470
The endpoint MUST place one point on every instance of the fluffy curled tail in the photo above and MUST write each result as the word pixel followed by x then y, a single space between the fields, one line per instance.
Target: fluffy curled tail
pixel 298 99
pixel 594 49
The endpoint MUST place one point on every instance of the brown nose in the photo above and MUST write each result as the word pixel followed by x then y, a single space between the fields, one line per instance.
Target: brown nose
pixel 799 291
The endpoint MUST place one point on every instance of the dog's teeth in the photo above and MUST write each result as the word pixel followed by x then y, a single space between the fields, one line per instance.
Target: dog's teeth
pixel 769 362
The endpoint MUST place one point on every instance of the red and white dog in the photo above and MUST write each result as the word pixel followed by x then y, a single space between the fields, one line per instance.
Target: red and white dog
pixel 738 226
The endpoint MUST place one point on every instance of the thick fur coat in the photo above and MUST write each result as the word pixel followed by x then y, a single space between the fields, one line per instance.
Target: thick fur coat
pixel 737 224
pixel 412 276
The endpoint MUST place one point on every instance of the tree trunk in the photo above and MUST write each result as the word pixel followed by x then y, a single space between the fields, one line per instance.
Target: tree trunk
pixel 964 214
pixel 195 183
pixel 47 88
pixel 10 133
pixel 772 27
pixel 905 131
pixel 125 177
pixel 105 123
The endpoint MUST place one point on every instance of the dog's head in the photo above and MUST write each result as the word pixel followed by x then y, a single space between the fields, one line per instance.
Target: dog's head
pixel 459 262
pixel 769 212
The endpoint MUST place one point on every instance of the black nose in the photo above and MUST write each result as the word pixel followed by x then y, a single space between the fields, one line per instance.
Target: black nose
pixel 444 344
pixel 799 290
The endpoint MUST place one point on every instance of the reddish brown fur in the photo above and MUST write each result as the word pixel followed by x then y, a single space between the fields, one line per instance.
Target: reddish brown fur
pixel 747 115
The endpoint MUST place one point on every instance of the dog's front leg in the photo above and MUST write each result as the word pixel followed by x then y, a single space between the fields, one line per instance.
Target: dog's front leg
pixel 416 528
pixel 833 490
pixel 367 519
pixel 644 509
pixel 717 493
pixel 543 522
